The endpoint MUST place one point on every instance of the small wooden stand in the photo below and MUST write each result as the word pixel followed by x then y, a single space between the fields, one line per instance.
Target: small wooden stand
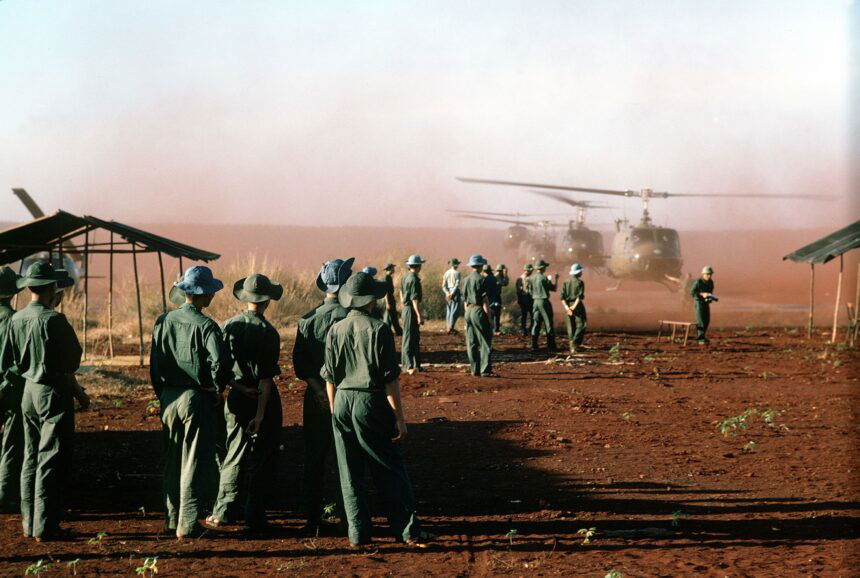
pixel 675 325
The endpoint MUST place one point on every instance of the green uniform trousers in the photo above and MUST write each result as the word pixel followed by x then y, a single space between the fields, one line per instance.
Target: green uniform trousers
pixel 703 318
pixel 542 315
pixel 11 450
pixel 479 340
pixel 190 471
pixel 364 424
pixel 318 441
pixel 250 465
pixel 576 325
pixel 411 343
pixel 390 319
pixel 49 426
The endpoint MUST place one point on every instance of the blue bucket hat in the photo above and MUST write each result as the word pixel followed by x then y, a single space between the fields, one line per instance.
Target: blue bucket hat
pixel 198 280
pixel 576 269
pixel 370 271
pixel 415 260
pixel 477 261
pixel 334 274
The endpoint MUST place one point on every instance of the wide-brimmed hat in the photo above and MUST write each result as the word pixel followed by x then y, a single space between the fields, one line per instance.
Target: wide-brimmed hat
pixel 8 282
pixel 198 280
pixel 528 267
pixel 361 289
pixel 477 261
pixel 334 274
pixel 389 267
pixel 575 269
pixel 453 261
pixel 541 264
pixel 708 270
pixel 415 260
pixel 257 288
pixel 500 267
pixel 42 273
pixel 370 271
pixel 487 268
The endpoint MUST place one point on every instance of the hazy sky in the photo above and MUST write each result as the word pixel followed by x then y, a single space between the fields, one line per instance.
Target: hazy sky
pixel 364 112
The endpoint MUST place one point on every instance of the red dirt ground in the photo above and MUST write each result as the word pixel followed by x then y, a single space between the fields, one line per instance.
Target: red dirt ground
pixel 547 449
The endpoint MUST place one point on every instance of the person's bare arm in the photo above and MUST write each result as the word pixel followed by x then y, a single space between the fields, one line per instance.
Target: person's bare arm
pixel 265 392
pixel 392 392
pixel 78 391
pixel 416 307
pixel 319 390
pixel 329 387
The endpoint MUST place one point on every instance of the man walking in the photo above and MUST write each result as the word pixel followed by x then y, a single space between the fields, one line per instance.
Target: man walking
pixel 702 292
pixel 189 368
pixel 364 395
pixel 573 301
pixel 252 411
pixel 451 289
pixel 308 360
pixel 540 287
pixel 42 349
pixel 11 390
pixel 524 299
pixel 390 317
pixel 479 333
pixel 411 296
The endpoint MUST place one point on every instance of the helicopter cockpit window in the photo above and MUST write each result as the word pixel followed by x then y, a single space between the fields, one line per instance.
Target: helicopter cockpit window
pixel 669 239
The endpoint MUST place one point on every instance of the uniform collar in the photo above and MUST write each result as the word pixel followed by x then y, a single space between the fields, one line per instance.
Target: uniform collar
pixel 255 314
pixel 356 312
pixel 190 306
pixel 36 305
pixel 330 300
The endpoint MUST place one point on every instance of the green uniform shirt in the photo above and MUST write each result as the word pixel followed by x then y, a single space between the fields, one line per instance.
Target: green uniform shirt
pixel 254 346
pixel 474 289
pixel 40 345
pixel 701 286
pixel 389 290
pixel 6 313
pixel 410 288
pixel 573 289
pixel 309 349
pixel 359 354
pixel 540 285
pixel 188 350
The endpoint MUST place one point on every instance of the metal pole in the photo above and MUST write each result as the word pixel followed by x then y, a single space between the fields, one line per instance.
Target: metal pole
pixel 86 286
pixel 110 299
pixel 838 297
pixel 163 290
pixel 139 313
pixel 811 300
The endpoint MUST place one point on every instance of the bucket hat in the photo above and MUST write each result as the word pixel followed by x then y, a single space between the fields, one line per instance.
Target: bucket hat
pixel 454 261
pixel 528 267
pixel 42 273
pixel 334 274
pixel 257 288
pixel 415 260
pixel 8 282
pixel 477 261
pixel 500 267
pixel 361 289
pixel 576 269
pixel 370 271
pixel 541 264
pixel 389 267
pixel 487 268
pixel 198 280
pixel 708 270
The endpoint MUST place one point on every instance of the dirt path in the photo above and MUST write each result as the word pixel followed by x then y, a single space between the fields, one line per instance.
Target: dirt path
pixel 507 471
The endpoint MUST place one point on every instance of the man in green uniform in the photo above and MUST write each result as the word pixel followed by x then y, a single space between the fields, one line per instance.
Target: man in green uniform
pixel 364 395
pixel 189 368
pixel 702 292
pixel 41 347
pixel 411 296
pixel 524 300
pixel 573 301
pixel 479 333
pixel 502 281
pixel 252 411
pixel 390 317
pixel 11 390
pixel 308 360
pixel 540 287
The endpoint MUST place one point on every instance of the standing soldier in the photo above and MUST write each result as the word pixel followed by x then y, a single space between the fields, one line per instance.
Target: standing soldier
pixel 11 390
pixel 390 316
pixel 494 295
pixel 308 360
pixel 451 288
pixel 524 299
pixel 702 292
pixel 573 301
pixel 364 396
pixel 502 281
pixel 189 368
pixel 540 287
pixel 479 333
pixel 41 347
pixel 411 295
pixel 253 408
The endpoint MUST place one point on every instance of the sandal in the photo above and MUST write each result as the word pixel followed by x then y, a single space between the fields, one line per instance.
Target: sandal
pixel 422 540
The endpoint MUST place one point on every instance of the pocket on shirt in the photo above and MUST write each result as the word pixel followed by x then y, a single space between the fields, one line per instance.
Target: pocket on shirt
pixel 183 351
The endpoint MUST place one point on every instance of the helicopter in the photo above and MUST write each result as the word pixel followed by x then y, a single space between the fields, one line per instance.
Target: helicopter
pixel 532 240
pixel 643 251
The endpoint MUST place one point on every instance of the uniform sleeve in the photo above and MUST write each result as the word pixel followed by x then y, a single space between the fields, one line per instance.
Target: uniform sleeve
pixel 66 350
pixel 218 356
pixel 579 291
pixel 155 347
pixel 300 352
pixel 328 368
pixel 387 356
pixel 565 292
pixel 694 290
pixel 7 358
pixel 409 289
pixel 270 354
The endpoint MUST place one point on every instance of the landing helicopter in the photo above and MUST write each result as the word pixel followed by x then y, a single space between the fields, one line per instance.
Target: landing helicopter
pixel 532 240
pixel 642 252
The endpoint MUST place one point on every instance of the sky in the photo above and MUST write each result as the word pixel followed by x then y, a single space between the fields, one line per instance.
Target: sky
pixel 338 113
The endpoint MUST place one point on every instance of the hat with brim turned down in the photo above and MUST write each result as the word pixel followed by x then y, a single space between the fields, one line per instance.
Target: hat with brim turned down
pixel 334 274
pixel 487 268
pixel 541 264
pixel 41 273
pixel 198 280
pixel 389 267
pixel 576 269
pixel 453 262
pixel 8 282
pixel 528 267
pixel 257 288
pixel 360 290
pixel 414 260
pixel 477 261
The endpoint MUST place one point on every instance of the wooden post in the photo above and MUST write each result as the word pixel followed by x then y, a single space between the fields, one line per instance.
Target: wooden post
pixel 181 269
pixel 110 298
pixel 811 300
pixel 838 297
pixel 86 285
pixel 163 290
pixel 856 311
pixel 20 272
pixel 137 291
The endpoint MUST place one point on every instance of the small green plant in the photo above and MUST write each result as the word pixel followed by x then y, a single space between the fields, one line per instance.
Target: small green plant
pixel 736 423
pixel 97 539
pixel 73 566
pixel 149 566
pixel 679 515
pixel 614 574
pixel 117 403
pixel 627 416
pixel 511 535
pixel 769 416
pixel 615 353
pixel 37 567
pixel 142 511
pixel 329 510
pixel 587 534
pixel 749 446
pixel 428 393
pixel 648 358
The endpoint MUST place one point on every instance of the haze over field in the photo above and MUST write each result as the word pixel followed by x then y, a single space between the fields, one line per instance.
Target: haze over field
pixel 343 113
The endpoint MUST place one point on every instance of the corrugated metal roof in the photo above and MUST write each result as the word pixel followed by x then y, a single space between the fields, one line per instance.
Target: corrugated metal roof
pixel 43 234
pixel 829 247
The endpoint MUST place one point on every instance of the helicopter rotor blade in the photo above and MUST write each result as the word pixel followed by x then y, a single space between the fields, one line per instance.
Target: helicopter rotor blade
pixel 628 193
pixel 754 196
pixel 506 214
pixel 568 201
pixel 497 220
